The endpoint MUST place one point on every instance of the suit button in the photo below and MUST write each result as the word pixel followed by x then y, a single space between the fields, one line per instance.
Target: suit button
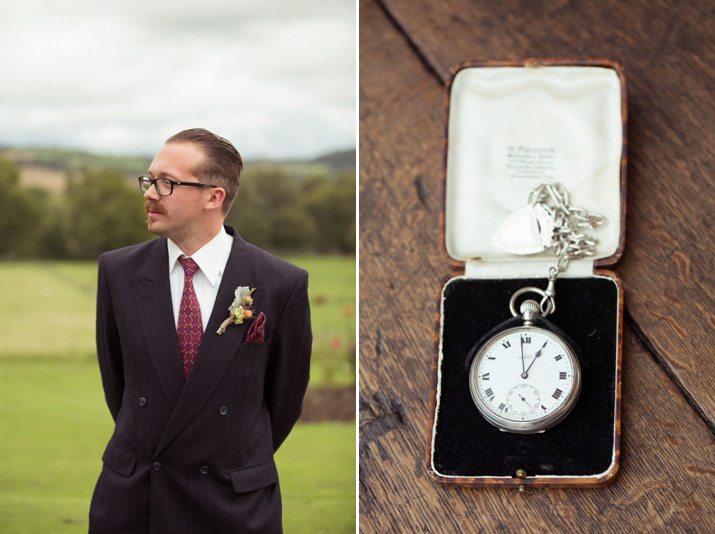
pixel 156 466
pixel 204 469
pixel 223 410
pixel 142 401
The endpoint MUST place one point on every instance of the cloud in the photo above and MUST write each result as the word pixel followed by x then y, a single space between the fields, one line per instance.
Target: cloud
pixel 277 77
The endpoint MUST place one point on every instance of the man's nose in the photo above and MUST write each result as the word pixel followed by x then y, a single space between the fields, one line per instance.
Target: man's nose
pixel 152 193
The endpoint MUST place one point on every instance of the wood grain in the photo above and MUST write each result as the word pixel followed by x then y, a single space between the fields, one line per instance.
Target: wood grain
pixel 668 451
pixel 665 483
pixel 668 52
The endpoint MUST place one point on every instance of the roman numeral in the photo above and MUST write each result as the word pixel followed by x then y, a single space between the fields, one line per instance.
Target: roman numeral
pixel 543 407
pixel 559 357
pixel 502 406
pixel 489 393
pixel 491 358
pixel 506 344
pixel 485 376
pixel 557 393
pixel 562 375
pixel 526 339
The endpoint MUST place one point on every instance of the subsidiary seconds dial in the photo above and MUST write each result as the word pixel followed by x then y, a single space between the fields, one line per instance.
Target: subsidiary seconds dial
pixel 525 379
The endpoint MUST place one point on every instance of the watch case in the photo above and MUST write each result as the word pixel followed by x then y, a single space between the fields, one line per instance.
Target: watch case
pixel 510 126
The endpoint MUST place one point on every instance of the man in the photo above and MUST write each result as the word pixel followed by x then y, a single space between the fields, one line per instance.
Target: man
pixel 198 414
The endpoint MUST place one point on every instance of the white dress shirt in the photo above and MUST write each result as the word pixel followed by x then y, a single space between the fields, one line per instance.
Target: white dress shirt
pixel 211 259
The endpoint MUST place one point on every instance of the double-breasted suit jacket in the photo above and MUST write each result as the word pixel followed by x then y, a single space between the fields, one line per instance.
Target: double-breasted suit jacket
pixel 196 455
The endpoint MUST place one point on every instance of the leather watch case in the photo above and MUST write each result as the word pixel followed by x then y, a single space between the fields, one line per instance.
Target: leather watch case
pixel 510 126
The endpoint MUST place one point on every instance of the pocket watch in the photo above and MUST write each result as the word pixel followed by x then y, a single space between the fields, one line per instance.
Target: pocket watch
pixel 525 379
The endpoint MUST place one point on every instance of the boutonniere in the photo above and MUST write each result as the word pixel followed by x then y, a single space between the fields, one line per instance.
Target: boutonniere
pixel 241 309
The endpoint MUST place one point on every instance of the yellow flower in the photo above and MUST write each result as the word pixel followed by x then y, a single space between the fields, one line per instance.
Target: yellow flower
pixel 238 315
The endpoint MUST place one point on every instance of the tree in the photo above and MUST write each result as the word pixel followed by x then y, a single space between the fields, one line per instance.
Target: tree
pixel 331 203
pixel 21 213
pixel 283 213
pixel 267 211
pixel 103 213
pixel 293 229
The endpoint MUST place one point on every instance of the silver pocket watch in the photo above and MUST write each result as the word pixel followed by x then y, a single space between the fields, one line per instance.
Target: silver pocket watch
pixel 527 378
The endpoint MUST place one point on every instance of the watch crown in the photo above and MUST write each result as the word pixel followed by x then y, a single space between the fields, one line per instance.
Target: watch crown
pixel 529 308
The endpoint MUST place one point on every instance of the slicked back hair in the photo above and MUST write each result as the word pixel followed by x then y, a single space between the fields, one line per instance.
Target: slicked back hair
pixel 222 163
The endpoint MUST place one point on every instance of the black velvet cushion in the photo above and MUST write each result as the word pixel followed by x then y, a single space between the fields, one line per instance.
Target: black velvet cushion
pixel 466 445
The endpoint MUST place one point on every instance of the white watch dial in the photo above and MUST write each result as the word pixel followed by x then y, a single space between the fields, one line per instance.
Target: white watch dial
pixel 525 379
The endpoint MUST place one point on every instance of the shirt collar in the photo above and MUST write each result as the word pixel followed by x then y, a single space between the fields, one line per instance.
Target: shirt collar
pixel 211 258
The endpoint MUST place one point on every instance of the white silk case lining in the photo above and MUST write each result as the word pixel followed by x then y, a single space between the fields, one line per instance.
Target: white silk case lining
pixel 513 128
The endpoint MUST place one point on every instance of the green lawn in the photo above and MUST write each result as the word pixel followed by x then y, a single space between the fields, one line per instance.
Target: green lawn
pixel 54 423
pixel 332 309
pixel 49 309
pixel 316 466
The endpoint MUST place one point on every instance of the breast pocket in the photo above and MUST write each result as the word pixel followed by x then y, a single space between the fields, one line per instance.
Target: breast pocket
pixel 249 349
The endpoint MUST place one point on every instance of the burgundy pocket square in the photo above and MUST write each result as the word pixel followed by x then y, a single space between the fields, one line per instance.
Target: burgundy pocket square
pixel 257 330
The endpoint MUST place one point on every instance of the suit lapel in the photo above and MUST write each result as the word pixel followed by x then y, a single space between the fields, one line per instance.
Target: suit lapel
pixel 153 293
pixel 216 352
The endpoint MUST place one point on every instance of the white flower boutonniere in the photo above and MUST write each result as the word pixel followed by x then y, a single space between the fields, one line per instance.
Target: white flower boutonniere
pixel 241 309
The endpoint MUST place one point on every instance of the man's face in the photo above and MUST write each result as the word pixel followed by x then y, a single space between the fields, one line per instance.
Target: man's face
pixel 175 216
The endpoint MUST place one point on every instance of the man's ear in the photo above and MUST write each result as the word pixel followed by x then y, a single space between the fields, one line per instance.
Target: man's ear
pixel 215 199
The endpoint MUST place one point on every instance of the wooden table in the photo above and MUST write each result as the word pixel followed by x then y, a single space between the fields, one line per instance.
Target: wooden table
pixel 407 48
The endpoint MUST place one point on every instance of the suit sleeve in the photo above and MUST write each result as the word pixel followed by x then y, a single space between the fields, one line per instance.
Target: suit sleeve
pixel 289 365
pixel 109 351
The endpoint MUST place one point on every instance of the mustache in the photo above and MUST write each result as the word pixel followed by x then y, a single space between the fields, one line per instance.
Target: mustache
pixel 154 206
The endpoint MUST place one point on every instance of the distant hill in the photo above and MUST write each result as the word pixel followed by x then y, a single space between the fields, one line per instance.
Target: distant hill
pixel 47 168
pixel 330 163
pixel 347 159
pixel 64 160
pixel 71 160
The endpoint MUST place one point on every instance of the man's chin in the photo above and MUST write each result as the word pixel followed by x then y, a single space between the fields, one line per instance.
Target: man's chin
pixel 154 226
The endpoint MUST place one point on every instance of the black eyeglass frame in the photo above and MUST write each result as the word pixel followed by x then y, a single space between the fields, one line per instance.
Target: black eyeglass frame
pixel 152 181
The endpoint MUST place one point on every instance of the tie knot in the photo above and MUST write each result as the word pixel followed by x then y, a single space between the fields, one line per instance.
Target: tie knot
pixel 189 265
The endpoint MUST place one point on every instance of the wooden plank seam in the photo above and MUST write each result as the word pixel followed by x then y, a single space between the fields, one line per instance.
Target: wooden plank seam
pixel 428 64
pixel 649 347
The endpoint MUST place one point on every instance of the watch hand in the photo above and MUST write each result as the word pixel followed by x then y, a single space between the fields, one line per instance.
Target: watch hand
pixel 525 374
pixel 529 405
pixel 523 371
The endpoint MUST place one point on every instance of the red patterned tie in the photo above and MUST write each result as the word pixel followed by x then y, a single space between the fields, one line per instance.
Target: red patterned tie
pixel 190 327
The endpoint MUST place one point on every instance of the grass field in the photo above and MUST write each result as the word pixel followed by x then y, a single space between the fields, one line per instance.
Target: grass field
pixel 54 423
pixel 332 300
pixel 48 311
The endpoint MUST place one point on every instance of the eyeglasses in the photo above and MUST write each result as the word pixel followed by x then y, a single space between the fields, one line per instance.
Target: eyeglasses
pixel 164 186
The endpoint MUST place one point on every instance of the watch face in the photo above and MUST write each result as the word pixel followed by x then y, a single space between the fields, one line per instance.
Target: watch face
pixel 525 379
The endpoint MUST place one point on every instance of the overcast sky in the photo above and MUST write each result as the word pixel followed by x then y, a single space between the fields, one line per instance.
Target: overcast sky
pixel 275 77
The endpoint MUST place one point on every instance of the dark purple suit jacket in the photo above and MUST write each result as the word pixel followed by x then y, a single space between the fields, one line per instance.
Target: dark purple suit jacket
pixel 196 455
